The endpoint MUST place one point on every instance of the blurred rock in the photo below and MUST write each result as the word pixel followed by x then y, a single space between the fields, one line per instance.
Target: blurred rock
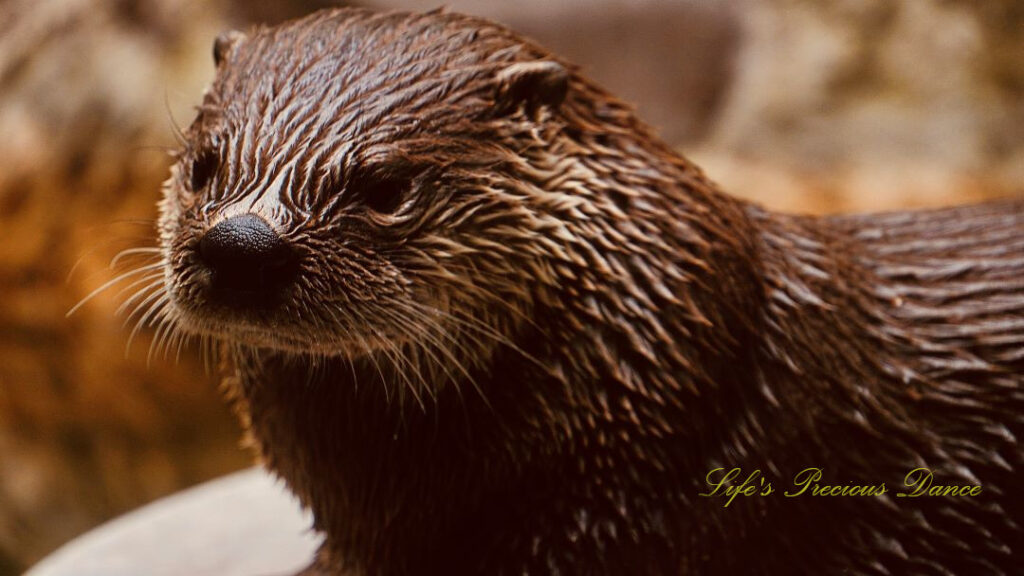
pixel 879 103
pixel 245 524
pixel 86 432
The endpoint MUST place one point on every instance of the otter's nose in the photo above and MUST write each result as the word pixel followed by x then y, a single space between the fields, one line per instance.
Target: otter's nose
pixel 247 258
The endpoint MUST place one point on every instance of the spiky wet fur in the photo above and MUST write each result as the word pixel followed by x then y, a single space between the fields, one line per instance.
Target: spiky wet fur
pixel 530 366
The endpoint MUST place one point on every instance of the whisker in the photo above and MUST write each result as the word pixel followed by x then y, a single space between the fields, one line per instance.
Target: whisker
pixel 179 135
pixel 422 333
pixel 143 305
pixel 394 358
pixel 343 323
pixel 207 349
pixel 165 328
pixel 112 282
pixel 489 295
pixel 154 344
pixel 368 352
pixel 429 338
pixel 373 359
pixel 182 338
pixel 144 320
pixel 483 329
pixel 154 280
pixel 149 223
pixel 99 246
pixel 412 361
pixel 154 148
pixel 153 251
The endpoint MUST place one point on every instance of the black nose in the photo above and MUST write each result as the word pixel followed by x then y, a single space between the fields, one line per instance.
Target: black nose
pixel 247 258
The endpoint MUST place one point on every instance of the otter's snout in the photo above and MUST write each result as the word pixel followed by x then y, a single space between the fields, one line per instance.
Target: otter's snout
pixel 247 259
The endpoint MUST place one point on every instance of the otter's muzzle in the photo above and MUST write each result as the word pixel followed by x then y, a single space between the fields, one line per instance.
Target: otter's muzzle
pixel 247 259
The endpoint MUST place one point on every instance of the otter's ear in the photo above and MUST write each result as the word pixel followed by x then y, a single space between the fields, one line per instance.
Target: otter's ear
pixel 224 43
pixel 532 85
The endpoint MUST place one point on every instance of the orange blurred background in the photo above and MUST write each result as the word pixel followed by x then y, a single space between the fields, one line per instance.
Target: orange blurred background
pixel 798 104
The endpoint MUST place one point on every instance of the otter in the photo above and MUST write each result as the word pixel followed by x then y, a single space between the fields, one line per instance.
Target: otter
pixel 481 320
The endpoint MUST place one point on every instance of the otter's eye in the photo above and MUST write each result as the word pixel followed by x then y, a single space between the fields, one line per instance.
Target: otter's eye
pixel 384 196
pixel 204 165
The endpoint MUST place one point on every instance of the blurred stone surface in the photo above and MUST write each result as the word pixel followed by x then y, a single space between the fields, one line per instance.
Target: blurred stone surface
pixel 878 104
pixel 87 432
pixel 245 524
pixel 803 105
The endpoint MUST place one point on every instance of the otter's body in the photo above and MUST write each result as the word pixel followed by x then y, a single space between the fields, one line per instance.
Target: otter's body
pixel 482 321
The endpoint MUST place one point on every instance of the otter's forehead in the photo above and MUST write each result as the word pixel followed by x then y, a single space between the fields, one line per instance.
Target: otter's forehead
pixel 353 73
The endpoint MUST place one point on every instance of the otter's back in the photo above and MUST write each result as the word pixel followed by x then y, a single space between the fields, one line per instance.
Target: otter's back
pixel 952 277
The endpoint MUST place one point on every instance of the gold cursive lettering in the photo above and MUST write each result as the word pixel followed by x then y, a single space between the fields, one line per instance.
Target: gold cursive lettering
pixel 921 480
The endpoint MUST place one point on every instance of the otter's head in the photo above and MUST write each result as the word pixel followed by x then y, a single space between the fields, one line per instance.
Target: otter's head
pixel 354 180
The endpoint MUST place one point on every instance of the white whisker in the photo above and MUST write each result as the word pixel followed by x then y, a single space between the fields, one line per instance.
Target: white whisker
pixel 154 305
pixel 113 281
pixel 152 281
pixel 151 250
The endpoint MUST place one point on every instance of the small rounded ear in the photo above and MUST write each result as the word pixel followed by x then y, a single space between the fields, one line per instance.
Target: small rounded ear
pixel 532 84
pixel 224 43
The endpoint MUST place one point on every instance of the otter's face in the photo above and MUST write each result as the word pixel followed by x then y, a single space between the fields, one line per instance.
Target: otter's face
pixel 354 182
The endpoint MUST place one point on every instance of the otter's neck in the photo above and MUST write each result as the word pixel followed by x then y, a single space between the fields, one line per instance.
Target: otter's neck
pixel 692 314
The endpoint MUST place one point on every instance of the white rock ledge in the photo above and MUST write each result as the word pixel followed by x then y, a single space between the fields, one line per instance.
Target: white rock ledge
pixel 244 524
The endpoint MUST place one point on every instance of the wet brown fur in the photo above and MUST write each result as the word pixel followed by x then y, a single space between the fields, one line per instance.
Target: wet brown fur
pixel 532 361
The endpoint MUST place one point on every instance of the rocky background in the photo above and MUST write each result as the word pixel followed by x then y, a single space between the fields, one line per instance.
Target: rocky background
pixel 799 104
